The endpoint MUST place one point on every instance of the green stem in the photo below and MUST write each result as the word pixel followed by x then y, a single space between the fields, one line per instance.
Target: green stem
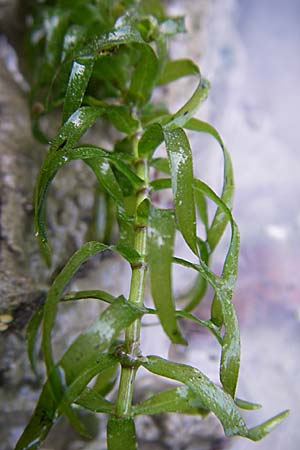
pixel 136 297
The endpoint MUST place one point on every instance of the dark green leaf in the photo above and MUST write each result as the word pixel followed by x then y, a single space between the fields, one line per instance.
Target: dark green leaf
pixel 31 338
pixel 161 183
pixel 121 433
pixel 211 396
pixel 121 119
pixel 161 241
pixel 143 81
pixel 78 81
pixel 77 124
pixel 178 68
pixel 177 400
pixel 181 165
pixel 150 140
pixel 91 400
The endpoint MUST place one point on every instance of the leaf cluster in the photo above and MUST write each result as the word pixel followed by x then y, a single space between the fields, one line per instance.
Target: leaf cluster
pixel 102 60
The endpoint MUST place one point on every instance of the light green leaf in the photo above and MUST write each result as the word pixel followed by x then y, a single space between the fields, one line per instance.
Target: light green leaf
pixel 259 432
pixel 161 241
pixel 243 404
pixel 178 68
pixel 180 400
pixel 181 165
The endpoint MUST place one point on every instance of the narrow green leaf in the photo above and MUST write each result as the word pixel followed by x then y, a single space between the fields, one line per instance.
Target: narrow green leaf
pixel 259 432
pixel 220 219
pixel 184 114
pixel 205 323
pixel 91 400
pixel 211 396
pixel 31 339
pixel 161 183
pixel 107 42
pixel 55 161
pixel 143 81
pixel 181 165
pixel 150 140
pixel 180 400
pixel 161 242
pixel 230 359
pixel 56 291
pixel 243 404
pixel 55 24
pixel 78 81
pixel 178 68
pixel 46 411
pixel 106 381
pixel 106 178
pixel 120 433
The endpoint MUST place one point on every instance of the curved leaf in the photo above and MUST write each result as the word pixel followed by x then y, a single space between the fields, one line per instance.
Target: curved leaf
pixel 56 160
pixel 220 219
pixel 150 140
pixel 91 400
pixel 31 339
pixel 181 165
pixel 211 396
pixel 259 432
pixel 161 241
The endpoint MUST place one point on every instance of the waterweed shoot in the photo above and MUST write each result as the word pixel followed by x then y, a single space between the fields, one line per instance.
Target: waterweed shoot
pixel 102 61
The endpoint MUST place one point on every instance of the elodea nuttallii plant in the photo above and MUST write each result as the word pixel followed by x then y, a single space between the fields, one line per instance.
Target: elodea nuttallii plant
pixel 102 60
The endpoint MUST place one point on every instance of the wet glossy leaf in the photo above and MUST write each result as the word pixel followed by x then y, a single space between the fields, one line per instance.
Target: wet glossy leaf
pixel 56 160
pixel 220 219
pixel 177 68
pixel 77 124
pixel 211 396
pixel 180 400
pixel 230 359
pixel 181 165
pixel 161 241
pixel 184 114
pixel 120 432
pixel 78 81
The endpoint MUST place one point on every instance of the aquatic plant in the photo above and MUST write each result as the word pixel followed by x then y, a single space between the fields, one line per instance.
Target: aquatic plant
pixel 101 60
